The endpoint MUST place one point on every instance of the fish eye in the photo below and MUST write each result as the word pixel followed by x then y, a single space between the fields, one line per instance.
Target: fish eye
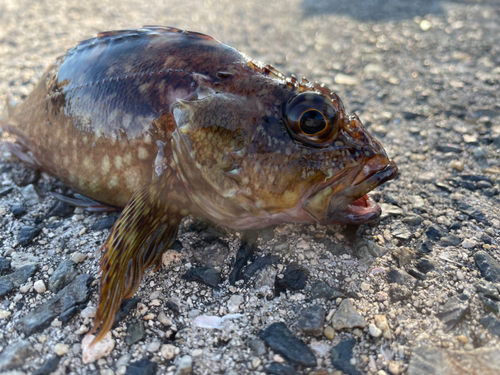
pixel 311 119
pixel 312 122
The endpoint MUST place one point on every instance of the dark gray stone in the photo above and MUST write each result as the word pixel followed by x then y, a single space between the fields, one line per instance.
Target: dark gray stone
pixel 71 296
pixel 245 253
pixel 15 355
pixel 276 368
pixel 454 310
pixel 4 265
pixel 424 247
pixel 311 320
pixel 49 366
pixel 16 279
pixel 413 220
pixel 62 276
pixel 322 290
pixel 489 304
pixel 449 148
pixel 341 357
pixel 486 239
pixel 294 278
pixel 125 308
pixel 492 191
pixel 142 367
pixel 213 252
pixel 400 277
pixel 259 264
pixel 491 323
pixel 417 274
pixel 205 275
pixel 429 360
pixel 172 306
pixel 488 289
pixel 489 267
pixel 451 240
pixel 257 346
pixel 18 209
pixel 27 234
pixel 25 176
pixel 135 333
pixel 60 209
pixel 282 341
pixel 425 265
pixel 434 233
pixel 106 223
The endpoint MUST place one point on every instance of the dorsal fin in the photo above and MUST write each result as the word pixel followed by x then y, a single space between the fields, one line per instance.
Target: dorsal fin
pixel 169 29
pixel 145 30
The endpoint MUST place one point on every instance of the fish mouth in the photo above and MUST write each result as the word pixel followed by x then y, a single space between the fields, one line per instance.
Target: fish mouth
pixel 338 203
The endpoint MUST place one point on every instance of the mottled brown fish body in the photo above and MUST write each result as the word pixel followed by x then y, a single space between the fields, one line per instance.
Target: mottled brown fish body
pixel 100 116
pixel 168 123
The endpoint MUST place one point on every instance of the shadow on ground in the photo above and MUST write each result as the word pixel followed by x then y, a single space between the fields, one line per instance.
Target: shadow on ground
pixel 373 10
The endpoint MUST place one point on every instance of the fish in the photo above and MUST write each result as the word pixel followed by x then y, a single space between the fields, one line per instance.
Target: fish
pixel 165 123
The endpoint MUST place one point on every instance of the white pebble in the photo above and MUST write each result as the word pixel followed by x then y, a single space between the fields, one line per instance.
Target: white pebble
pixel 374 331
pixel 78 257
pixel 98 350
pixel 164 319
pixel 61 349
pixel 468 244
pixel 39 286
pixel 88 312
pixel 4 314
pixel 197 352
pixel 169 351
pixel 25 288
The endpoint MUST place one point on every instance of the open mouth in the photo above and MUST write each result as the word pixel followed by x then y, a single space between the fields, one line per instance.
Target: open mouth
pixel 350 205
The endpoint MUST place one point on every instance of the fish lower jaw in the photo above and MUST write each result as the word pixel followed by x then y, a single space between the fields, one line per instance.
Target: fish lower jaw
pixel 362 210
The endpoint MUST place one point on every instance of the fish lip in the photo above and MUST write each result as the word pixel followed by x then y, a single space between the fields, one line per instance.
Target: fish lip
pixel 341 208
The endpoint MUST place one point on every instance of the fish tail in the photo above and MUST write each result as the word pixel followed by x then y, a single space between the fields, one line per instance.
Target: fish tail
pixel 146 228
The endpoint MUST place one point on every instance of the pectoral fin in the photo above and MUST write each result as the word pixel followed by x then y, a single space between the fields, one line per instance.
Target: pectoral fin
pixel 146 228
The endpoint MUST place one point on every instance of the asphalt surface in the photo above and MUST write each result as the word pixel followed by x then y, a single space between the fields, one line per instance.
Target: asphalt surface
pixel 424 77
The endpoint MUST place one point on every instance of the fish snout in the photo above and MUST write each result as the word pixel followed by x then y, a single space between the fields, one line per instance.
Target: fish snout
pixel 359 137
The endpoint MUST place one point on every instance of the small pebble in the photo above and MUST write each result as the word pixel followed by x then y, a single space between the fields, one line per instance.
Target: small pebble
pixel 39 286
pixel 329 333
pixel 169 351
pixel 154 346
pixel 374 330
pixel 99 350
pixel 164 319
pixel 61 349
pixel 463 339
pixel 78 257
pixel 394 368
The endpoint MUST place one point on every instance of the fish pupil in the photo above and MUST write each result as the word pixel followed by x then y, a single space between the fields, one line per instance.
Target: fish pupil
pixel 312 122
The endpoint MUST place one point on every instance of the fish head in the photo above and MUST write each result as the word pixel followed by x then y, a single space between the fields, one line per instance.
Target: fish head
pixel 273 151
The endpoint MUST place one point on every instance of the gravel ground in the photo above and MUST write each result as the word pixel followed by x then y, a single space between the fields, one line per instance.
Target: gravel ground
pixel 416 293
